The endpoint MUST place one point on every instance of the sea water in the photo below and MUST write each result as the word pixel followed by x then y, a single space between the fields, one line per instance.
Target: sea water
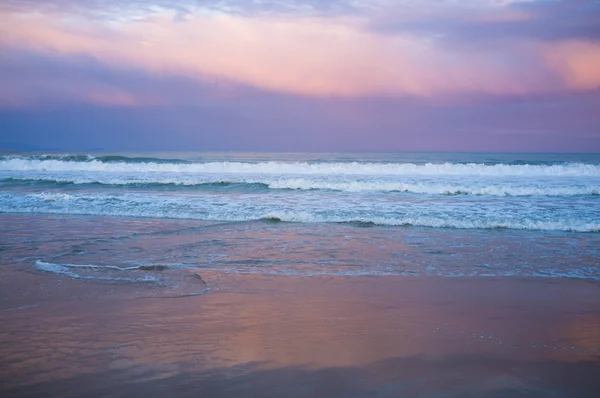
pixel 443 214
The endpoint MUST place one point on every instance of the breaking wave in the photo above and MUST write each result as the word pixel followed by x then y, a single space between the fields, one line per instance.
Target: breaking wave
pixel 377 214
pixel 151 165
pixel 305 184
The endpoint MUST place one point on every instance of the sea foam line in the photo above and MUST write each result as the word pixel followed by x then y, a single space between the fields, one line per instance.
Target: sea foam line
pixel 305 184
pixel 65 269
pixel 303 168
pixel 306 217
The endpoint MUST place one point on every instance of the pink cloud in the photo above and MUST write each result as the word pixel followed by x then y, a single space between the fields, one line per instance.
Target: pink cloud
pixel 117 98
pixel 320 57
pixel 578 63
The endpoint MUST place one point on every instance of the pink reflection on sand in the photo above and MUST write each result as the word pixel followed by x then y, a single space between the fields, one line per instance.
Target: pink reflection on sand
pixel 288 322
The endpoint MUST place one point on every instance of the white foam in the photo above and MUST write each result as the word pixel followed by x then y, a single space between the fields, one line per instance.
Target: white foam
pixel 60 269
pixel 52 196
pixel 441 186
pixel 302 168
pixel 424 221
pixel 166 283
pixel 65 269
pixel 433 188
pixel 312 208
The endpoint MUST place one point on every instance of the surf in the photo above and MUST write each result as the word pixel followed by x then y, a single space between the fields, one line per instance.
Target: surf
pixel 302 168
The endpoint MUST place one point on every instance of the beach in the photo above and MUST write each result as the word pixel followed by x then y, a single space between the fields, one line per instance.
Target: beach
pixel 295 336
pixel 207 332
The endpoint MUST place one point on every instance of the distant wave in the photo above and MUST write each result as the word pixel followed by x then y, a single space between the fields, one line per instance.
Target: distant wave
pixel 311 159
pixel 90 158
pixel 305 184
pixel 133 182
pixel 143 165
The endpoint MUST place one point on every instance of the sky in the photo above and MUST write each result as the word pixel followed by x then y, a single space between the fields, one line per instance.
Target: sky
pixel 293 75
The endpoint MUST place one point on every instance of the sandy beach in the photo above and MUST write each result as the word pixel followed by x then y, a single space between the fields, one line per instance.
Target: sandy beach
pixel 269 336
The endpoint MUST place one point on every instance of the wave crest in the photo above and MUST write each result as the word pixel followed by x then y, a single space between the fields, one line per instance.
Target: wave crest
pixel 307 184
pixel 302 168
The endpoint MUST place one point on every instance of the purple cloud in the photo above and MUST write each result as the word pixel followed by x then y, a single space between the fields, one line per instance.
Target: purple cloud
pixel 539 20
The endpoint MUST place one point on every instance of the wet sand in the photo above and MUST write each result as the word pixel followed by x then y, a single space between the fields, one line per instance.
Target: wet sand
pixel 287 336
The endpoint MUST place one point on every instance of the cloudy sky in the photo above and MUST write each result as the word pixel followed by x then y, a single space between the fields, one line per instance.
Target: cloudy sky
pixel 312 75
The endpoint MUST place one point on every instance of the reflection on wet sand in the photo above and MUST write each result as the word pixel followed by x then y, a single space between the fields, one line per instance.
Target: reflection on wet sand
pixel 452 377
pixel 126 325
pixel 325 336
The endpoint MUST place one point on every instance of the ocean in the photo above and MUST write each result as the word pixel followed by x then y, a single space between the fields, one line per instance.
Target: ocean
pixel 101 217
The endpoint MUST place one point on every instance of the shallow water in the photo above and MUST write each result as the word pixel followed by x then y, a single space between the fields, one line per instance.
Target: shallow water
pixel 90 247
